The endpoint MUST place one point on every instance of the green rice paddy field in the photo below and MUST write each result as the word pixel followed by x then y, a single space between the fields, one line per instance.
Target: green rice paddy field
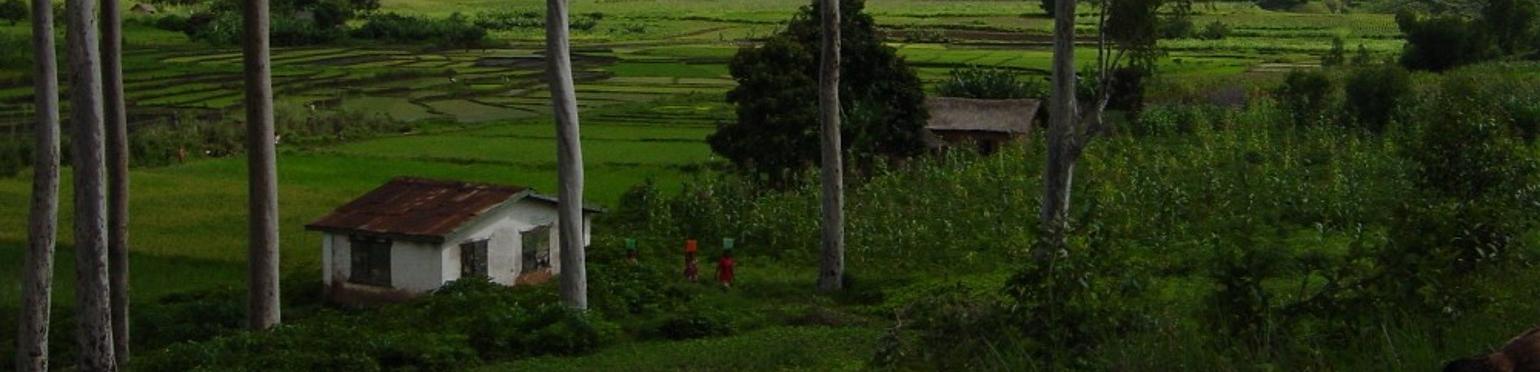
pixel 649 99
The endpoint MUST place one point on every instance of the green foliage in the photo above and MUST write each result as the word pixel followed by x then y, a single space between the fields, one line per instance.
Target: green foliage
pixel 960 327
pixel 1338 54
pixel 1167 120
pixel 453 32
pixel 1280 5
pixel 503 20
pixel 1215 30
pixel 1511 24
pixel 1306 96
pixel 225 29
pixel 460 325
pixel 1362 58
pixel 13 11
pixel 1441 42
pixel 1068 299
pixel 694 323
pixel 1178 27
pixel 1373 93
pixel 776 134
pixel 990 83
pixel 1048 7
pixel 1468 149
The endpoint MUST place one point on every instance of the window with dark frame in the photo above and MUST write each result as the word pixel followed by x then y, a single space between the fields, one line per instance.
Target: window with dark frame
pixel 370 261
pixel 536 249
pixel 473 259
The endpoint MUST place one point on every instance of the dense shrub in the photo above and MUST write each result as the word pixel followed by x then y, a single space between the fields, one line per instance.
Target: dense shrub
pixel 1215 30
pixel 1178 27
pixel 1337 56
pixel 529 19
pixel 1373 93
pixel 1128 88
pixel 1511 24
pixel 1280 5
pixel 1441 42
pixel 15 155
pixel 13 11
pixel 694 323
pixel 454 31
pixel 458 326
pixel 509 20
pixel 1306 95
pixel 990 83
pixel 1163 120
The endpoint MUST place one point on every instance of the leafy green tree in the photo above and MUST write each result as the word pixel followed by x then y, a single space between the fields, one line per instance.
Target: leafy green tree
pixel 1374 92
pixel 776 134
pixel 13 11
pixel 1511 24
pixel 1306 95
pixel 1362 58
pixel 1441 42
pixel 1338 54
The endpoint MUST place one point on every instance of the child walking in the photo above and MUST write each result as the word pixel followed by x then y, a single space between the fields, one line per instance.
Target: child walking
pixel 691 272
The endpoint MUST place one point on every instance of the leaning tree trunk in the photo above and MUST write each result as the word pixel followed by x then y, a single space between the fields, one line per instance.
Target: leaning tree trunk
pixel 37 277
pixel 117 173
pixel 569 157
pixel 92 302
pixel 1062 116
pixel 261 172
pixel 831 271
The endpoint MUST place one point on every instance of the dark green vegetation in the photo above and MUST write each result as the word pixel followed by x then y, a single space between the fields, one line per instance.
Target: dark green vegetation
pixel 776 135
pixel 1439 38
pixel 988 83
pixel 1362 218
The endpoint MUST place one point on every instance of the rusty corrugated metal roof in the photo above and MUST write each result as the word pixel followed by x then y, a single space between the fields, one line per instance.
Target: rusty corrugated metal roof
pixel 417 209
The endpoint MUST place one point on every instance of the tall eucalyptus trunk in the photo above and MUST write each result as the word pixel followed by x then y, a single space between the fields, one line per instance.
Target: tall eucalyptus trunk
pixel 93 310
pixel 1063 116
pixel 569 157
pixel 261 171
pixel 117 173
pixel 42 228
pixel 831 271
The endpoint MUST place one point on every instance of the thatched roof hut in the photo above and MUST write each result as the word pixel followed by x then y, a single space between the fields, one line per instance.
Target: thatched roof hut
pixel 985 122
pixel 144 8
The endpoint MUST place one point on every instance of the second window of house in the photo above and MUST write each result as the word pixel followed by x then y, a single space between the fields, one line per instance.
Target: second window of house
pixel 536 245
pixel 473 259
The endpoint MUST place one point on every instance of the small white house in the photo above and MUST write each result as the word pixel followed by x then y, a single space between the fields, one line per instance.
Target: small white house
pixel 412 235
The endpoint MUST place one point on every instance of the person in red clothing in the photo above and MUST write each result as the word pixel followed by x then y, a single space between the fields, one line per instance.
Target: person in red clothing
pixel 691 272
pixel 725 269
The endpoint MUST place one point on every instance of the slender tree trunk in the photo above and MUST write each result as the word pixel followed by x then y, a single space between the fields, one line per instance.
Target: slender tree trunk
pixel 1063 116
pixel 569 157
pixel 261 172
pixel 831 273
pixel 37 279
pixel 117 173
pixel 93 308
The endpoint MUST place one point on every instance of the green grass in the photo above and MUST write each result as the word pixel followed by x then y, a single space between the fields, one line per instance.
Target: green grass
pixel 776 348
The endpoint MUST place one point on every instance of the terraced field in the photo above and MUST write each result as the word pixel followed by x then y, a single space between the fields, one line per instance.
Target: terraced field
pixel 650 83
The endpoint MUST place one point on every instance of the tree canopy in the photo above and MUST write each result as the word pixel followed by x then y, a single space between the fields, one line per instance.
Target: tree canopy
pixel 776 134
pixel 13 11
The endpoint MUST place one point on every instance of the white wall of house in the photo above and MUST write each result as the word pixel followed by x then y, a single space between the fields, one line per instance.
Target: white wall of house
pixel 422 267
pixel 416 266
